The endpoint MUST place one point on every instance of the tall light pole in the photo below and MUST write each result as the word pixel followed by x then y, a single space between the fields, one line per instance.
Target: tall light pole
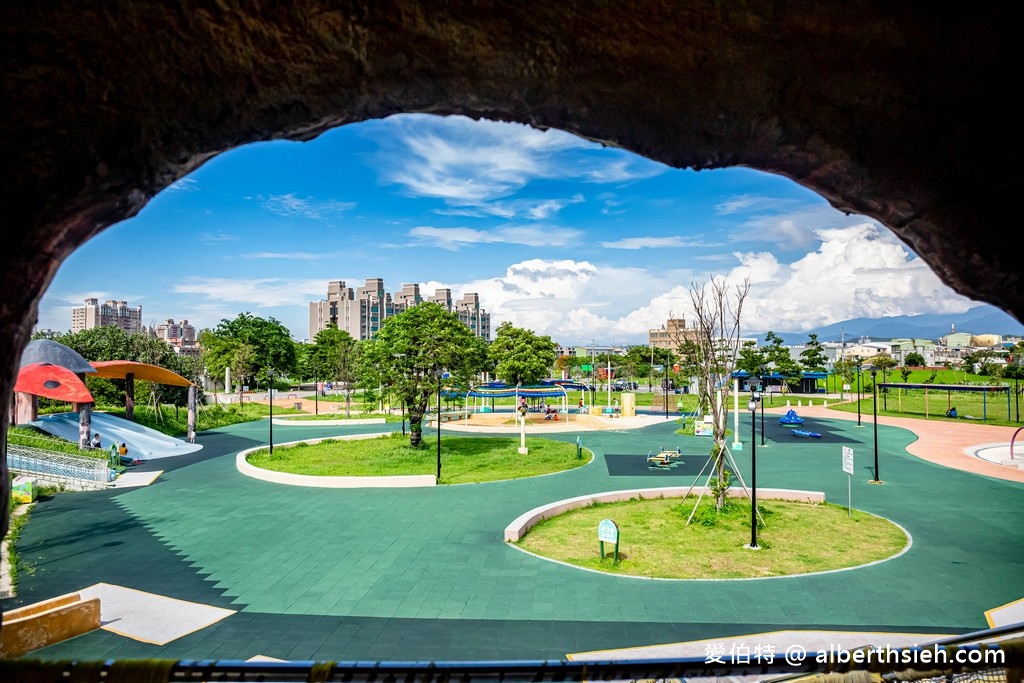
pixel 402 391
pixel 874 403
pixel 666 388
pixel 760 377
pixel 752 407
pixel 316 391
pixel 270 397
pixel 439 426
pixel 1016 388
pixel 650 371
pixel 858 391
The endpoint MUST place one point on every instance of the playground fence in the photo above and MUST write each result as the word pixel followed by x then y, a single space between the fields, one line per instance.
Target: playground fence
pixel 73 471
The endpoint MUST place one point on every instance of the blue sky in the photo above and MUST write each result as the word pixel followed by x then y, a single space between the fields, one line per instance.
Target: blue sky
pixel 571 239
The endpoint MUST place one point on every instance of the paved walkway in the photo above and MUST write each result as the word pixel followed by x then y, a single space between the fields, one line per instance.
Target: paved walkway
pixel 424 573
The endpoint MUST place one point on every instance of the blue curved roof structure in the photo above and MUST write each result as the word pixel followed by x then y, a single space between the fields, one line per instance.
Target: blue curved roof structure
pixel 49 351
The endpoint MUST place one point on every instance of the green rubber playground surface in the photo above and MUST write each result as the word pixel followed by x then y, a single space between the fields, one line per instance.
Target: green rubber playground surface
pixel 424 573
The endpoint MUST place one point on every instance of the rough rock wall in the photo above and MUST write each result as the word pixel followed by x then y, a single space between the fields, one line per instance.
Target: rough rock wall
pixel 895 110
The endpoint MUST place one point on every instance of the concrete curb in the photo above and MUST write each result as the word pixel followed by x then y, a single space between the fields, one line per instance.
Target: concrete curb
pixel 401 481
pixel 524 522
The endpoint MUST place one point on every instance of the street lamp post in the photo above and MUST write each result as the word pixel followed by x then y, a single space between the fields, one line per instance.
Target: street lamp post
pixel 1016 388
pixel 270 397
pixel 402 391
pixel 752 407
pixel 439 425
pixel 316 391
pixel 650 371
pixel 858 391
pixel 760 377
pixel 666 389
pixel 874 403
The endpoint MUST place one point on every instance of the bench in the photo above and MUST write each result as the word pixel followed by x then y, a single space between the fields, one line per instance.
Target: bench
pixel 455 415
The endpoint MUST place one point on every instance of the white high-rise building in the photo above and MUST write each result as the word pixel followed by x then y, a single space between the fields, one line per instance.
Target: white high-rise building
pixel 114 313
pixel 361 312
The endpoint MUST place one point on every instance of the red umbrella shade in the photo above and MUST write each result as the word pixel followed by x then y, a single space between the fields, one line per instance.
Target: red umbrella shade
pixel 52 381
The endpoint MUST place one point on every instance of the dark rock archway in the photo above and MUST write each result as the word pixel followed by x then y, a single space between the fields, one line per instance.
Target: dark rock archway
pixel 899 111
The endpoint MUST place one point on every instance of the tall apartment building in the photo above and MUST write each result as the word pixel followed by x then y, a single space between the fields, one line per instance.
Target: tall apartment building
pixel 114 313
pixel 361 312
pixel 180 336
pixel 670 335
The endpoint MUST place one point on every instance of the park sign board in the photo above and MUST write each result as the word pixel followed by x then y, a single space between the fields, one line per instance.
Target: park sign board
pixel 848 460
pixel 608 531
pixel 848 468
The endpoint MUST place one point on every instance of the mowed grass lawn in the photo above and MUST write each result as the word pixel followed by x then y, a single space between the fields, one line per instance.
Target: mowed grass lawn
pixel 464 459
pixel 654 540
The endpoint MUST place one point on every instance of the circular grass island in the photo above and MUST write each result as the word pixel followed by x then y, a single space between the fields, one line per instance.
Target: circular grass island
pixel 656 542
pixel 464 459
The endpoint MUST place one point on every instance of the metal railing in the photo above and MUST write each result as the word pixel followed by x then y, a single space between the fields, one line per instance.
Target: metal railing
pixel 74 471
pixel 960 662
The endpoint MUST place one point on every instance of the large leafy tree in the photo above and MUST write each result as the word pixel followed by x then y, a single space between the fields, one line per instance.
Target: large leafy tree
pixel 266 345
pixel 751 358
pixel 413 350
pixel 780 359
pixel 813 356
pixel 520 356
pixel 336 354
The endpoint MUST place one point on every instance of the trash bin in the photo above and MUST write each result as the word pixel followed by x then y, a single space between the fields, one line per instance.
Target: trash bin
pixel 297 405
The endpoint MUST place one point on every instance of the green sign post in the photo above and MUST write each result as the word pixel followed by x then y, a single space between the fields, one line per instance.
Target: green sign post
pixel 608 531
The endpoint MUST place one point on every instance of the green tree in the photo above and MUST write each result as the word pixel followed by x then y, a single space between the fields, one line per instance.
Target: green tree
pixel 520 356
pixel 914 359
pixel 781 360
pixel 336 354
pixel 410 353
pixel 751 358
pixel 813 358
pixel 885 363
pixel 108 342
pixel 269 347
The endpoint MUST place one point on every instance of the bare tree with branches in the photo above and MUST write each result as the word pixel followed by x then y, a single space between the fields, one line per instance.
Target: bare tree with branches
pixel 711 355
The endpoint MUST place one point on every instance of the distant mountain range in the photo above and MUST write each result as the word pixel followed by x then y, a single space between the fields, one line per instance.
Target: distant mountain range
pixel 982 319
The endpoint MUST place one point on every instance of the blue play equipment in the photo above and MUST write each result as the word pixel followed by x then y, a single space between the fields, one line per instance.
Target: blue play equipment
pixel 791 418
pixel 805 434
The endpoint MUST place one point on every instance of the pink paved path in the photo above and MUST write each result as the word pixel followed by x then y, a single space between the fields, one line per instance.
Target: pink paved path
pixel 939 441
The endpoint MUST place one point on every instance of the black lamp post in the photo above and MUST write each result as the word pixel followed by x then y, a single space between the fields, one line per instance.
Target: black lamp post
pixel 666 388
pixel 1016 388
pixel 270 397
pixel 402 391
pixel 752 407
pixel 316 391
pixel 650 371
pixel 858 391
pixel 760 377
pixel 874 403
pixel 439 425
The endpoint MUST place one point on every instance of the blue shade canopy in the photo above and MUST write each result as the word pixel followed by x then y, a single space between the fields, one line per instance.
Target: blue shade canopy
pixel 49 351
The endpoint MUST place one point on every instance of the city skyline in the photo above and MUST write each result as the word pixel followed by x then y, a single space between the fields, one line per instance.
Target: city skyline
pixel 557 234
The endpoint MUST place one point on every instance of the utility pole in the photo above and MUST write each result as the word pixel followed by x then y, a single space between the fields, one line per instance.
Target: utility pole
pixel 842 357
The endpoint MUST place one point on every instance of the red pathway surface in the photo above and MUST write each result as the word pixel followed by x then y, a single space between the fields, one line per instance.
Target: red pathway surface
pixel 942 442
